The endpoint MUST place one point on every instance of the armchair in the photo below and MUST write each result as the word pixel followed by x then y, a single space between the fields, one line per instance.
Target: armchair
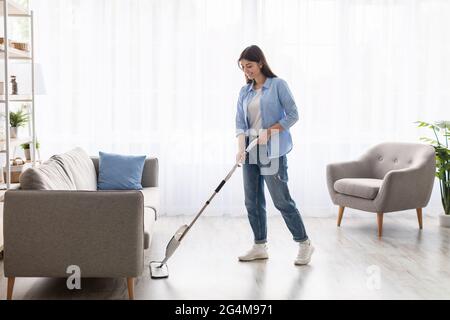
pixel 389 177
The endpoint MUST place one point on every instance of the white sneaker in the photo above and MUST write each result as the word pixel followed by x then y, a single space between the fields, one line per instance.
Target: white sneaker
pixel 305 252
pixel 259 251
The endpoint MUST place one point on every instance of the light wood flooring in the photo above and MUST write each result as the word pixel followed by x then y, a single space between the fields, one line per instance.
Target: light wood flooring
pixel 350 262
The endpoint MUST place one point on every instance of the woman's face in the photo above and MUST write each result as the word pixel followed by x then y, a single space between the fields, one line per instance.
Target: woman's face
pixel 251 69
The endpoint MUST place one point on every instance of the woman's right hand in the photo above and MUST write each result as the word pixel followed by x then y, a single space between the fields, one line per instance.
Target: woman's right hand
pixel 240 157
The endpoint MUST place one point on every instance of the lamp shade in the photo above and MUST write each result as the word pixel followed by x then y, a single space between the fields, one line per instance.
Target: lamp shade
pixel 39 80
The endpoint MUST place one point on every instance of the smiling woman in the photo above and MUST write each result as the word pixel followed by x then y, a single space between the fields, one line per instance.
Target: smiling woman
pixel 158 77
pixel 266 110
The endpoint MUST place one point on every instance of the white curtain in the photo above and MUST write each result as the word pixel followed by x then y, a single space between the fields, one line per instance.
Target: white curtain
pixel 160 78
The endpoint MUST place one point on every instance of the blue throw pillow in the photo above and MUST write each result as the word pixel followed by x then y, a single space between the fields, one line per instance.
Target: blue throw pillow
pixel 120 172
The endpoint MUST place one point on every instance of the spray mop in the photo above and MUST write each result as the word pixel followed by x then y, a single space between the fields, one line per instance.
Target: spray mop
pixel 159 269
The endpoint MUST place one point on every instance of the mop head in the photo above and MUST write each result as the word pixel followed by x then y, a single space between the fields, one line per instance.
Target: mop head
pixel 157 271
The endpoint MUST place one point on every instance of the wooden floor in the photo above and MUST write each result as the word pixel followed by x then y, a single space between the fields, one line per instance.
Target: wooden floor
pixel 350 262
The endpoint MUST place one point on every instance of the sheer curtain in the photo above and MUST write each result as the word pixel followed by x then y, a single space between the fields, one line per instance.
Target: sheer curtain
pixel 160 78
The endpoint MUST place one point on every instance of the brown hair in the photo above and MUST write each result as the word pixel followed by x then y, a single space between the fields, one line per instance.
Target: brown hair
pixel 255 54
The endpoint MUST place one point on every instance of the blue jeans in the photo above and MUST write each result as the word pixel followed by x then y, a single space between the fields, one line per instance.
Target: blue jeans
pixel 256 172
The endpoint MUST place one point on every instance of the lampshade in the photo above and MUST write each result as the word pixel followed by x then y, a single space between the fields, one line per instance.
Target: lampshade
pixel 39 81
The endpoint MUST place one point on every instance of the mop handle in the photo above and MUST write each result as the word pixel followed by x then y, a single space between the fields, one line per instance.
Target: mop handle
pixel 249 148
pixel 251 145
pixel 209 200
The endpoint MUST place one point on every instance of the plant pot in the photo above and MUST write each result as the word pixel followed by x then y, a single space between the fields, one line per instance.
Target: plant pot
pixel 444 220
pixel 27 154
pixel 13 132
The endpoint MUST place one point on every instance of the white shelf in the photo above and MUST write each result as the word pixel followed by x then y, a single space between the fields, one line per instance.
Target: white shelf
pixel 14 53
pixel 14 143
pixel 13 8
pixel 17 98
pixel 13 186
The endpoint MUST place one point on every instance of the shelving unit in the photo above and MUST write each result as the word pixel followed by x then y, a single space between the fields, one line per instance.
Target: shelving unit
pixel 9 9
pixel 13 9
pixel 14 54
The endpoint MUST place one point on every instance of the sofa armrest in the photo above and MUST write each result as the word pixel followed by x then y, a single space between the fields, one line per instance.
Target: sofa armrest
pixel 102 232
pixel 404 189
pixel 150 174
pixel 341 170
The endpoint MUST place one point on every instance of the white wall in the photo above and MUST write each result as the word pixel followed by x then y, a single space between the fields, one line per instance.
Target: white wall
pixel 160 78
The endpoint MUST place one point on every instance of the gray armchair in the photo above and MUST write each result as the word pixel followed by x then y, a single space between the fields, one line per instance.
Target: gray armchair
pixel 389 177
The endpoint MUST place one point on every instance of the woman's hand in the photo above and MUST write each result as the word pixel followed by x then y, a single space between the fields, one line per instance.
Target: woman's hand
pixel 240 157
pixel 264 136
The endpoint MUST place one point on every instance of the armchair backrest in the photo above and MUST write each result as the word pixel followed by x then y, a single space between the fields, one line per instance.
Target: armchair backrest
pixel 390 156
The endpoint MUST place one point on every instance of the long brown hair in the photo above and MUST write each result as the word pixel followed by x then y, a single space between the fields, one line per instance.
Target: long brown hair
pixel 255 54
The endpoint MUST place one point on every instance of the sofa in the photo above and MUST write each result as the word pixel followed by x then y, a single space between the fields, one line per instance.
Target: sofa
pixel 58 218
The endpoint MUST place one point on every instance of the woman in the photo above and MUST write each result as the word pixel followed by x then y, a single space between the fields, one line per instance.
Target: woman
pixel 265 111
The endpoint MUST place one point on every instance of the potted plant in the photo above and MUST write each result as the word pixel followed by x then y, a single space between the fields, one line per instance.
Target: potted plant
pixel 441 132
pixel 16 120
pixel 26 149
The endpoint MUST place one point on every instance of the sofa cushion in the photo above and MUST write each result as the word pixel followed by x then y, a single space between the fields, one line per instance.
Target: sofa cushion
pixel 72 170
pixel 51 175
pixel 357 187
pixel 120 172
pixel 79 168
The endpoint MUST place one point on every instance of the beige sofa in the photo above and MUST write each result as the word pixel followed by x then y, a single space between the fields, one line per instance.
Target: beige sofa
pixel 59 219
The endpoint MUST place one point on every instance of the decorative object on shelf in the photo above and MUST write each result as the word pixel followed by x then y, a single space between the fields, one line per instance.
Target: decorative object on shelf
pixel 2 41
pixel 17 166
pixel 20 46
pixel 23 46
pixel 16 120
pixel 14 86
pixel 26 149
pixel 441 130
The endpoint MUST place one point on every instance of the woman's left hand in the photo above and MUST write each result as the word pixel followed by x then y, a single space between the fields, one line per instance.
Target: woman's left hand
pixel 264 137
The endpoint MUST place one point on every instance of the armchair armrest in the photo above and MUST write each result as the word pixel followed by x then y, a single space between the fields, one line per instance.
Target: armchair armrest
pixel 404 189
pixel 102 232
pixel 341 170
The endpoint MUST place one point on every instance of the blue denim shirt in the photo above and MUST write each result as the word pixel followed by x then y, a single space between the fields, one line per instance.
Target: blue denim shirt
pixel 277 106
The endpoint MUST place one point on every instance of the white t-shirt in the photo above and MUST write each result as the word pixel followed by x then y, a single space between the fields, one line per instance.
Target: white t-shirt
pixel 255 121
pixel 254 113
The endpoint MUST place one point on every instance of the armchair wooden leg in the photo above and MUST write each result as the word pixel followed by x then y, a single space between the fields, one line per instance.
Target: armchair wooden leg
pixel 341 214
pixel 380 223
pixel 130 283
pixel 419 217
pixel 10 289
